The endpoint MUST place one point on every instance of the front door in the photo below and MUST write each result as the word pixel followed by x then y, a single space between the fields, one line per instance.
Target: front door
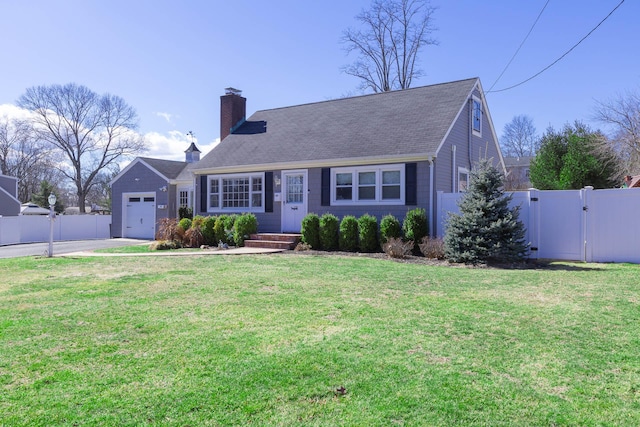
pixel 294 200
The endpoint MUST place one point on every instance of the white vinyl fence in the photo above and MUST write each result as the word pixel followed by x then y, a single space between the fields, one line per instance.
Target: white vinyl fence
pixel 580 225
pixel 35 228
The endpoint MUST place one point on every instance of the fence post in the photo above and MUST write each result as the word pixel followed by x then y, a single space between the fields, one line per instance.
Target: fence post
pixel 587 255
pixel 533 226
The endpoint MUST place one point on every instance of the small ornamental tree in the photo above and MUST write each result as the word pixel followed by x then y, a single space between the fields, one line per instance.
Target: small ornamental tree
pixel 486 230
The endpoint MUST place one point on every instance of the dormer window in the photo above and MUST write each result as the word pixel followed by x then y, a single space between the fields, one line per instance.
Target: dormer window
pixel 476 117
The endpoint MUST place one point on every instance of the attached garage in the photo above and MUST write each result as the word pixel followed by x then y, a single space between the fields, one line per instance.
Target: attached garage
pixel 139 213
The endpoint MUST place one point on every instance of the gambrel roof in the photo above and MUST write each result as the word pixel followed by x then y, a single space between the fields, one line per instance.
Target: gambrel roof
pixel 402 125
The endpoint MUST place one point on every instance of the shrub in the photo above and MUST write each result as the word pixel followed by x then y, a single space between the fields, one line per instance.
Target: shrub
pixel 197 221
pixel 163 245
pixel 221 234
pixel 368 233
pixel 185 212
pixel 310 230
pixel 389 227
pixel 229 222
pixel 245 225
pixel 432 248
pixel 168 229
pixel 302 246
pixel 208 231
pixel 395 247
pixel 486 230
pixel 185 224
pixel 193 237
pixel 348 234
pixel 415 227
pixel 329 226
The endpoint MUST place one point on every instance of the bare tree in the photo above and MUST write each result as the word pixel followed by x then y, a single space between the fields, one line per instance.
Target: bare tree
pixel 92 131
pixel 519 138
pixel 622 113
pixel 23 156
pixel 393 35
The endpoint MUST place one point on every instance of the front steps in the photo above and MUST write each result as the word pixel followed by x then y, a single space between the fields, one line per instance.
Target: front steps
pixel 273 240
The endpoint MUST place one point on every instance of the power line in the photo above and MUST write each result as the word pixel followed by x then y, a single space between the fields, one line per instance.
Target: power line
pixel 563 55
pixel 519 47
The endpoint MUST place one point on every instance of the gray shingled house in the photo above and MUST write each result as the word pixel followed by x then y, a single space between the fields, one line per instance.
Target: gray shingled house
pixel 9 203
pixel 378 154
pixel 150 189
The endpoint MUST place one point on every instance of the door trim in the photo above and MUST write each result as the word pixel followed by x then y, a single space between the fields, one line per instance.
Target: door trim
pixel 125 197
pixel 305 203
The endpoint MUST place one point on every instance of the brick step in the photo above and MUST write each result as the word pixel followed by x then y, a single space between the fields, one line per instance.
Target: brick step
pixel 273 240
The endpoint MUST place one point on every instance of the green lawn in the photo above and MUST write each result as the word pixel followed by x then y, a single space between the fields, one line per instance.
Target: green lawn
pixel 268 340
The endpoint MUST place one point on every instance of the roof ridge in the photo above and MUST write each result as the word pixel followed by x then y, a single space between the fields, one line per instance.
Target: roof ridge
pixel 368 95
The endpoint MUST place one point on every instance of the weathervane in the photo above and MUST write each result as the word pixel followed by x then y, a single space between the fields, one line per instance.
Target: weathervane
pixel 191 135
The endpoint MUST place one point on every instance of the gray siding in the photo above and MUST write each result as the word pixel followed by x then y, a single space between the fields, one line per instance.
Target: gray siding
pixel 9 205
pixel 148 181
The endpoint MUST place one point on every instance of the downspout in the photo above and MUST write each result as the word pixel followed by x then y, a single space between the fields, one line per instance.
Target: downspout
pixel 453 169
pixel 431 189
pixel 470 131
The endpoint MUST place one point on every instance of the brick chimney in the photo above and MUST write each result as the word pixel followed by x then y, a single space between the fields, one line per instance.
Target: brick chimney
pixel 233 110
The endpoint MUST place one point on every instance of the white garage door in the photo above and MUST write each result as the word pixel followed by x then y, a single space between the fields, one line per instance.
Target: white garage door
pixel 140 216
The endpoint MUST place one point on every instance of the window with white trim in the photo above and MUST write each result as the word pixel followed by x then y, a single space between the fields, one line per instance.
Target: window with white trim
pixel 382 184
pixel 237 193
pixel 183 199
pixel 476 117
pixel 463 179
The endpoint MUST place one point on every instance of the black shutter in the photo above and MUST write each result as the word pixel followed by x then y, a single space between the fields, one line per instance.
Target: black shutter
pixel 325 187
pixel 203 193
pixel 411 184
pixel 268 191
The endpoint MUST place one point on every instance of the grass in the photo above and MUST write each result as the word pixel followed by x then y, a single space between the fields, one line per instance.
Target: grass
pixel 314 340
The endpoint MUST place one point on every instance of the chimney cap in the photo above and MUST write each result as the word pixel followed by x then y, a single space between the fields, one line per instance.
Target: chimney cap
pixel 232 91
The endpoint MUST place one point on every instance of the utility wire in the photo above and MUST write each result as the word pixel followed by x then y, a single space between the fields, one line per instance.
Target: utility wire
pixel 519 47
pixel 565 54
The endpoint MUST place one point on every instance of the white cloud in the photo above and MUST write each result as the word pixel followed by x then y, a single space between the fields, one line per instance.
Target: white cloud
pixel 171 146
pixel 167 116
pixel 13 111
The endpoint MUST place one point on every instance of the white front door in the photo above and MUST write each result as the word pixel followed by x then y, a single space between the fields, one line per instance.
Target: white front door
pixel 294 200
pixel 139 215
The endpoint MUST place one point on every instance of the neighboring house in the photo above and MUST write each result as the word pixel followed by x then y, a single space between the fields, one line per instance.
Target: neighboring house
pixel 9 203
pixel 148 190
pixel 384 153
pixel 517 177
pixel 631 181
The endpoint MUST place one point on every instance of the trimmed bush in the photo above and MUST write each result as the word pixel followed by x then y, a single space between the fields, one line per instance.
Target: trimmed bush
pixel 310 230
pixel 368 233
pixel 219 230
pixel 163 245
pixel 389 227
pixel 329 226
pixel 208 231
pixel 185 224
pixel 245 225
pixel 415 227
pixel 348 236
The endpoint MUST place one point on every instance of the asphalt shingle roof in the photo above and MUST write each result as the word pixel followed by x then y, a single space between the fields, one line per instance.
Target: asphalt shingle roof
pixel 410 122
pixel 169 168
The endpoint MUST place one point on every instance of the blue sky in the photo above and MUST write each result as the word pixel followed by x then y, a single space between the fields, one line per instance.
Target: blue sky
pixel 171 60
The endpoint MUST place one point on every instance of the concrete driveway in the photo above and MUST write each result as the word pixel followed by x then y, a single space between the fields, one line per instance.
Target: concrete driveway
pixel 40 249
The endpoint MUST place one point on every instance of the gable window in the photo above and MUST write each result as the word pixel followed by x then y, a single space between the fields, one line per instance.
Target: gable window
pixel 368 185
pixel 239 193
pixel 463 179
pixel 476 117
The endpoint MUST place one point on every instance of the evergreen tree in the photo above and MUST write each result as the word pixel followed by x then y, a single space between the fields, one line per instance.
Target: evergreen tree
pixel 41 198
pixel 486 230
